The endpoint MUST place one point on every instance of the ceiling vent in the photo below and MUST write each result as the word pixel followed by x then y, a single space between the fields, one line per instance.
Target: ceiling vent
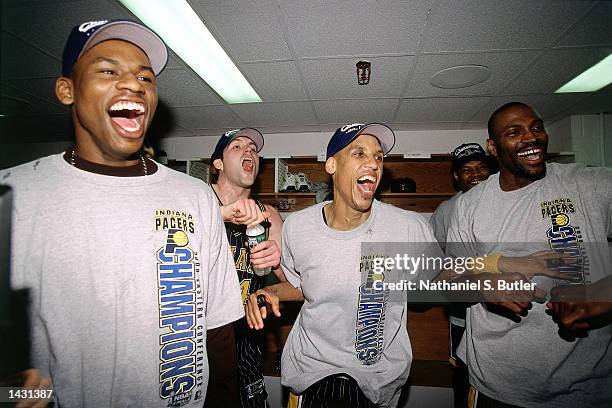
pixel 461 76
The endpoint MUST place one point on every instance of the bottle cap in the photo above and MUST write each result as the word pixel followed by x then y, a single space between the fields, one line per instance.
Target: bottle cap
pixel 255 231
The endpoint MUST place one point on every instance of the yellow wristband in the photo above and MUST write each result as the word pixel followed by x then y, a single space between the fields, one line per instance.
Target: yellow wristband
pixel 490 263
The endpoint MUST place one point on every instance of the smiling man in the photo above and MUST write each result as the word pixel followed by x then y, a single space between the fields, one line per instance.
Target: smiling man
pixel 349 346
pixel 235 168
pixel 126 262
pixel 518 356
pixel 470 167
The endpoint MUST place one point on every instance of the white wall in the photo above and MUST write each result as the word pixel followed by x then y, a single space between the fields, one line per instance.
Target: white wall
pixel 407 141
pixel 560 136
pixel 307 144
pixel 592 139
pixel 311 144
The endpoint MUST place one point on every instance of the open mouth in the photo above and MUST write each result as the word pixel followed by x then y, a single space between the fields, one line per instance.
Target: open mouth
pixel 128 117
pixel 367 186
pixel 475 182
pixel 532 154
pixel 248 164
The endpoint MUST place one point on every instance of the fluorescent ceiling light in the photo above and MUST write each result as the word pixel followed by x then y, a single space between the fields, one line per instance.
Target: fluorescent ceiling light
pixel 591 80
pixel 183 31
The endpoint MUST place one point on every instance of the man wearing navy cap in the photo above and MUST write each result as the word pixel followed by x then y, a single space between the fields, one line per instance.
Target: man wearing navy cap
pixel 235 166
pixel 470 166
pixel 349 346
pixel 130 277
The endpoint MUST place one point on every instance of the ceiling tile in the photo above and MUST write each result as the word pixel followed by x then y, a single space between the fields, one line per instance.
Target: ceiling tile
pixel 40 88
pixel 174 61
pixel 438 109
pixel 337 78
pixel 554 69
pixel 179 87
pixel 49 24
pixel 275 114
pixel 294 128
pixel 355 111
pixel 503 67
pixel 205 117
pixel 359 27
pixel 593 29
pixel 20 60
pixel 476 25
pixel 248 29
pixel 275 81
pixel 548 106
pixel 21 97
pixel 594 103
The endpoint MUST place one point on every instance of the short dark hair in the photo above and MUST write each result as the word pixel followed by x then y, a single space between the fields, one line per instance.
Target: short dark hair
pixel 493 119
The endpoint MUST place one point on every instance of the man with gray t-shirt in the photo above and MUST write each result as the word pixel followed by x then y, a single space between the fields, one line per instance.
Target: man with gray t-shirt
pixel 131 282
pixel 515 351
pixel 349 346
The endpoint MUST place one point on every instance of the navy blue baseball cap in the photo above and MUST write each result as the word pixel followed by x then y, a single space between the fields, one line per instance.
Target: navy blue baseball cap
pixel 225 139
pixel 347 133
pixel 91 33
pixel 468 152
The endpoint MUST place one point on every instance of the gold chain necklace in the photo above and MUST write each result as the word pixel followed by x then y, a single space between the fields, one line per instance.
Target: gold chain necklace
pixel 145 170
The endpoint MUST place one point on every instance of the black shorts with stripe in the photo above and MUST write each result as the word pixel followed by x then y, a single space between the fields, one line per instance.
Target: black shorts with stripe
pixel 249 345
pixel 332 392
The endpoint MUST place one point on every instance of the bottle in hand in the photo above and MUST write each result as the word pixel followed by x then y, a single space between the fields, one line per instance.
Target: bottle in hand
pixel 256 235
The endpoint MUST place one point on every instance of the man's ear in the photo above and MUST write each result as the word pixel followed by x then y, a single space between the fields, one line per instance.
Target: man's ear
pixel 330 165
pixel 64 90
pixel 491 147
pixel 455 176
pixel 218 164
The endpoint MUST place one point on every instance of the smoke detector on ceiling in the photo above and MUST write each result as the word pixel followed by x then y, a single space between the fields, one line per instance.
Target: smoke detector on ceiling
pixel 461 76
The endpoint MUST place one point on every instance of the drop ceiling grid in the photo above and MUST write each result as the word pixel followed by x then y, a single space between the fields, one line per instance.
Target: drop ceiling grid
pixel 438 109
pixel 344 111
pixel 35 91
pixel 594 29
pixel 360 27
pixel 247 29
pixel 332 79
pixel 196 117
pixel 181 87
pixel 476 25
pixel 503 67
pixel 275 114
pixel 554 68
pixel 36 26
pixel 277 81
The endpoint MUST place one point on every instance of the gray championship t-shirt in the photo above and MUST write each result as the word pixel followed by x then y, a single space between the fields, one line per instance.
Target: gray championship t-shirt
pixel 125 276
pixel 528 363
pixel 341 328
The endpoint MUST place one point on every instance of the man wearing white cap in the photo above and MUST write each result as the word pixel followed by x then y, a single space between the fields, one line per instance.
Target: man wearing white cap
pixel 126 261
pixel 349 346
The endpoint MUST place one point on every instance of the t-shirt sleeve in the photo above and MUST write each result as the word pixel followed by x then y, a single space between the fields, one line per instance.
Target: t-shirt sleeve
pixel 287 262
pixel 602 179
pixel 429 249
pixel 436 222
pixel 223 303
pixel 459 238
